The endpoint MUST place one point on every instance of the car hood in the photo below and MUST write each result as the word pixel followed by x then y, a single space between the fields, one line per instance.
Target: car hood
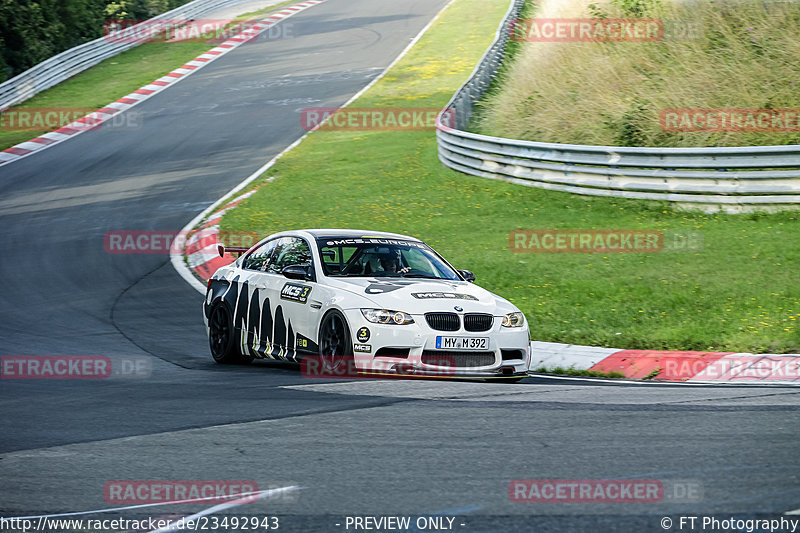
pixel 417 296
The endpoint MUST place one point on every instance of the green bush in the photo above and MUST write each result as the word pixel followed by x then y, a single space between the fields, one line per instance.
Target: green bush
pixel 33 30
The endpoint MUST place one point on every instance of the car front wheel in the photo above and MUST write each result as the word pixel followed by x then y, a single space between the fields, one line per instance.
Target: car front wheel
pixel 335 349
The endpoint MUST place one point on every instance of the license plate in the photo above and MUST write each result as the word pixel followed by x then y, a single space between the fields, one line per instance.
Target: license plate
pixel 462 343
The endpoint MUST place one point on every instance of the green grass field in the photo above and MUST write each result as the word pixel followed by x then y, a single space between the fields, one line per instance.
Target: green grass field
pixel 738 293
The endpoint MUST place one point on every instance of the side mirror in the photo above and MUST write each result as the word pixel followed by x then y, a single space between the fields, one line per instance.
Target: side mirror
pixel 296 272
pixel 467 275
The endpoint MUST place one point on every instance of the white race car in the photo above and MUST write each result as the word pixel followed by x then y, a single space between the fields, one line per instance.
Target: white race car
pixel 380 302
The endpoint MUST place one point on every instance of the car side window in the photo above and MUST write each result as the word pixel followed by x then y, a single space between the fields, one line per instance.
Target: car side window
pixel 259 259
pixel 290 251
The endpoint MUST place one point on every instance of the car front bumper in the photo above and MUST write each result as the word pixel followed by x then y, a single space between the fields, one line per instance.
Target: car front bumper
pixel 411 349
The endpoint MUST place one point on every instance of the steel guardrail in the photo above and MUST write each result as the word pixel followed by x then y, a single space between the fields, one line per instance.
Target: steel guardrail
pixel 75 60
pixel 737 178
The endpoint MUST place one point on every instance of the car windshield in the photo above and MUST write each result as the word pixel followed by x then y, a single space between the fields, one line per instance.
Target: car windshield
pixel 375 257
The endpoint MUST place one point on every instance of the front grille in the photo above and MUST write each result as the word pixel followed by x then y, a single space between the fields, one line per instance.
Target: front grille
pixel 478 322
pixel 443 321
pixel 393 352
pixel 512 355
pixel 457 359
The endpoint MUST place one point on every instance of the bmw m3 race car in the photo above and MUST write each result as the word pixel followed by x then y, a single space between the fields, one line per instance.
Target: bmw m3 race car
pixel 380 302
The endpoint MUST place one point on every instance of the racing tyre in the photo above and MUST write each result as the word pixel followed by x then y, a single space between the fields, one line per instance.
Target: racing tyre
pixel 335 348
pixel 221 337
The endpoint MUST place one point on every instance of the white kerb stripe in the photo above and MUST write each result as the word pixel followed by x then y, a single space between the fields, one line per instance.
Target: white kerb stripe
pixel 222 506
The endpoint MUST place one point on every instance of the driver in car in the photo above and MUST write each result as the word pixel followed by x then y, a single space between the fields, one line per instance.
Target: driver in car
pixel 390 264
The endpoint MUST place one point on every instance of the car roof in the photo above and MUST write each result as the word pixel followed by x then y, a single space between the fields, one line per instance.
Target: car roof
pixel 357 233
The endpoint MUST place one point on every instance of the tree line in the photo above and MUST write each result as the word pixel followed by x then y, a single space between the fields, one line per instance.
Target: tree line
pixel 34 30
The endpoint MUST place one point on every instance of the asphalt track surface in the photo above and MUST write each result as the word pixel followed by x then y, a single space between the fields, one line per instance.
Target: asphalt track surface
pixel 355 448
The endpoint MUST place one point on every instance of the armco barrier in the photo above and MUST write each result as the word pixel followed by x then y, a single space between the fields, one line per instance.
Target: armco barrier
pixel 733 179
pixel 75 60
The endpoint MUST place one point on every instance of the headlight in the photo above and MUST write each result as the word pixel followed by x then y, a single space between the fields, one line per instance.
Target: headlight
pixel 384 316
pixel 513 320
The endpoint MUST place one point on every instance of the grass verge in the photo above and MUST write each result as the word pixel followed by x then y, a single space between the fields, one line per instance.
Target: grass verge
pixel 739 292
pixel 115 77
pixel 559 371
pixel 713 55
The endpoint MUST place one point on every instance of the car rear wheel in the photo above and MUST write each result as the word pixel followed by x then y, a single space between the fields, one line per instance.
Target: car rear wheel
pixel 335 349
pixel 221 337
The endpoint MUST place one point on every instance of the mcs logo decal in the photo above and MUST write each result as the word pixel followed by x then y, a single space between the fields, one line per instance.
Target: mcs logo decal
pixel 442 295
pixel 295 293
